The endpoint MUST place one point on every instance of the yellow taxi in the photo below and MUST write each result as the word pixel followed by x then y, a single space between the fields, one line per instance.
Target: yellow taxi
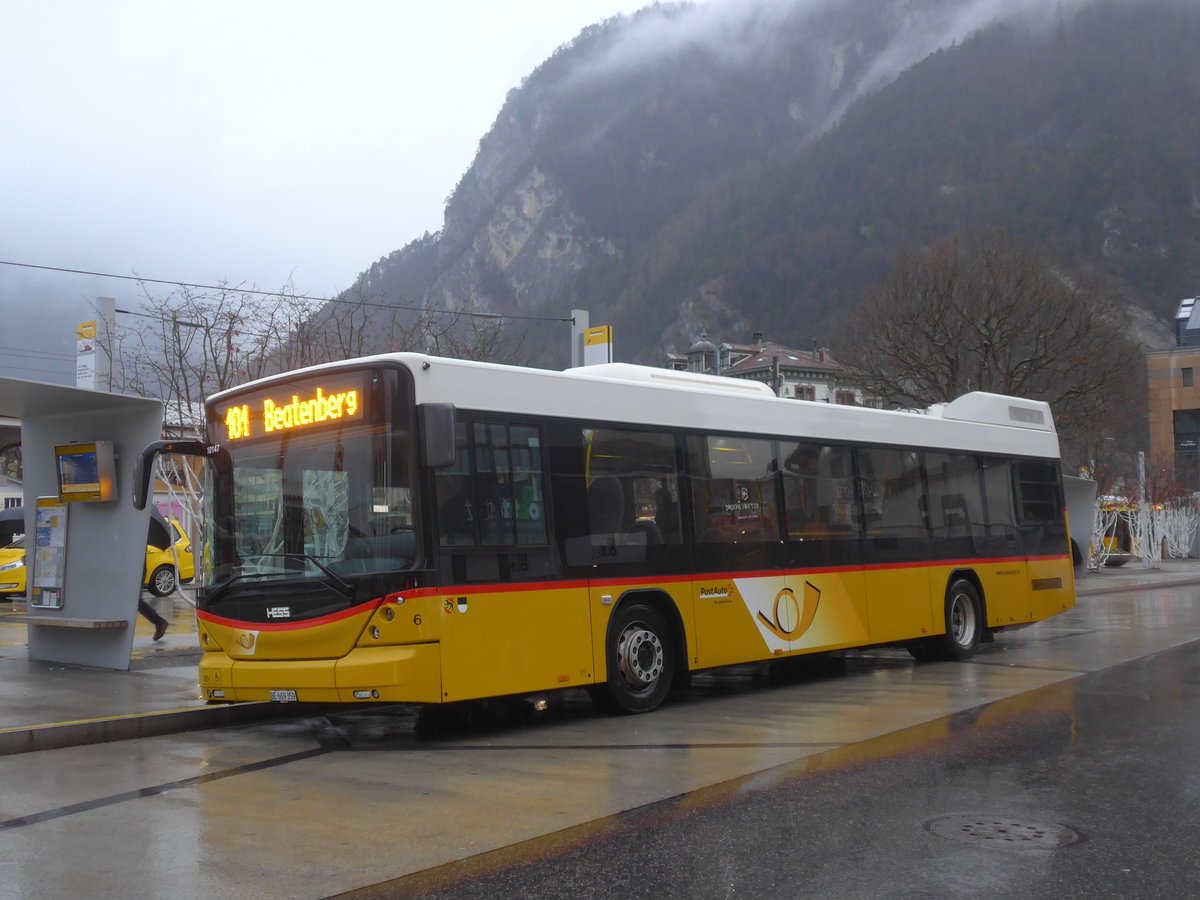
pixel 159 577
pixel 12 568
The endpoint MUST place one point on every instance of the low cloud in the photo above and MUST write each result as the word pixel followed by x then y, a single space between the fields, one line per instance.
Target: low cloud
pixel 739 31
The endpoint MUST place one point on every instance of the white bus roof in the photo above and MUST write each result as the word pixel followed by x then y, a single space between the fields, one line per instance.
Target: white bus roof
pixel 641 395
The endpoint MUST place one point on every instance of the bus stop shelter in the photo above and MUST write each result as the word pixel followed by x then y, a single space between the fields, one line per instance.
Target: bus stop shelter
pixel 105 541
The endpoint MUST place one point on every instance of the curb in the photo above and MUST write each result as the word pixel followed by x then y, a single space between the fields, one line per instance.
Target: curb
pixel 1151 582
pixel 1136 586
pixel 56 736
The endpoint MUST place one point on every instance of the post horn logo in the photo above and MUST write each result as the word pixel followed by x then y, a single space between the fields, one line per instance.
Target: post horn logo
pixel 790 617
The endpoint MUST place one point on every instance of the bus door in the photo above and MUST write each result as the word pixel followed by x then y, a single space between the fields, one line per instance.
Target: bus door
pixel 1039 502
pixel 621 527
pixel 739 587
pixel 897 545
pixel 509 622
pixel 824 605
pixel 1005 575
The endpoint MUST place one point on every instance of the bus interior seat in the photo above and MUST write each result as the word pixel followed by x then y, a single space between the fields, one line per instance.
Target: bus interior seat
pixel 455 522
pixel 649 530
pixel 381 553
pixel 666 515
pixel 954 511
pixel 606 505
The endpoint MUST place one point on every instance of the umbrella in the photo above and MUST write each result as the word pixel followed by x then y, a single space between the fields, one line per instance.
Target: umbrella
pixel 12 523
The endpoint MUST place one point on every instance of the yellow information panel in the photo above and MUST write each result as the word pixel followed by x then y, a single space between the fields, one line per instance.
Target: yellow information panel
pixel 597 345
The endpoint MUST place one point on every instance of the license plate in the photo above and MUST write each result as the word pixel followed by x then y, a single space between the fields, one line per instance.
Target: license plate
pixel 283 696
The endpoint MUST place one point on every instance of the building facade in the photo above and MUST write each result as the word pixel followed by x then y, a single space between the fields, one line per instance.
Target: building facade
pixel 1174 398
pixel 799 374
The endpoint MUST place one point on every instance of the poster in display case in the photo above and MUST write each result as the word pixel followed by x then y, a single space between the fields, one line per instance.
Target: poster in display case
pixel 47 563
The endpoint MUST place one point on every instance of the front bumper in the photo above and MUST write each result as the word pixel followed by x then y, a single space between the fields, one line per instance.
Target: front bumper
pixel 409 673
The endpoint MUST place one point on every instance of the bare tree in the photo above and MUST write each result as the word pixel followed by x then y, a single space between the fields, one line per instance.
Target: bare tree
pixel 348 326
pixel 484 338
pixel 986 314
pixel 193 342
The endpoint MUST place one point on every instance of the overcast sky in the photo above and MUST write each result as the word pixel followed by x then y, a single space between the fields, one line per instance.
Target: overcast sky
pixel 257 141
pixel 240 140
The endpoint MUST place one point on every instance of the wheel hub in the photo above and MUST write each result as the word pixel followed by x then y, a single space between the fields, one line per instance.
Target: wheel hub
pixel 962 619
pixel 640 656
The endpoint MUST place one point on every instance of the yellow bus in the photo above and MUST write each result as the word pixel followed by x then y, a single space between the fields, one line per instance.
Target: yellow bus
pixel 405 528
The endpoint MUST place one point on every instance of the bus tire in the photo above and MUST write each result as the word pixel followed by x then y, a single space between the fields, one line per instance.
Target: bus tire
pixel 641 660
pixel 964 620
pixel 925 649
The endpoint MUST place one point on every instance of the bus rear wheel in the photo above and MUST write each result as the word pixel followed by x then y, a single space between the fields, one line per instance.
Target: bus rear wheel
pixel 641 660
pixel 964 626
pixel 964 620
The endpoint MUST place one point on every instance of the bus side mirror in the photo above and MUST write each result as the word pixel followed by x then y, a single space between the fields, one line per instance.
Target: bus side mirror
pixel 144 469
pixel 437 433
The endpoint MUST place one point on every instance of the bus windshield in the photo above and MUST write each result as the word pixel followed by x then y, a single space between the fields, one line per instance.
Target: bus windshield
pixel 327 500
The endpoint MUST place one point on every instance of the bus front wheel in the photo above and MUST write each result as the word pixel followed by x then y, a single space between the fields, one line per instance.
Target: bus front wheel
pixel 641 660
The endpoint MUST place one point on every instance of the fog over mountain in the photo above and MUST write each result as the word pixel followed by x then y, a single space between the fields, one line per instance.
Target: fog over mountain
pixel 754 166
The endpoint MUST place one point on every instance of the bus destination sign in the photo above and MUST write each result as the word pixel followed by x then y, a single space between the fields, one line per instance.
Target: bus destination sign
pixel 293 407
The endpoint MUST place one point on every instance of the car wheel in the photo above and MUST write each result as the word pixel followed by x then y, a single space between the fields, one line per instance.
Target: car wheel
pixel 162 581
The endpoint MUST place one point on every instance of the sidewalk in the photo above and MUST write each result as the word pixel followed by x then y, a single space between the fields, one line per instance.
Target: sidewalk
pixel 47 705
pixel 1134 575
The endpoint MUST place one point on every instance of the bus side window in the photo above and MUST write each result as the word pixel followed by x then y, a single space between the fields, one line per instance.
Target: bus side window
pixel 493 495
pixel 821 510
pixel 1003 538
pixel 456 521
pixel 1040 505
pixel 735 508
pixel 632 516
pixel 956 513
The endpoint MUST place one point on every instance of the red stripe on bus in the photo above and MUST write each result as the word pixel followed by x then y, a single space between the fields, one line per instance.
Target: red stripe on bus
pixel 288 626
pixel 451 590
pixel 627 583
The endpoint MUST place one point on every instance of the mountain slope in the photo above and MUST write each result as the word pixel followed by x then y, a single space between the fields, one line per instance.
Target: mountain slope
pixel 687 169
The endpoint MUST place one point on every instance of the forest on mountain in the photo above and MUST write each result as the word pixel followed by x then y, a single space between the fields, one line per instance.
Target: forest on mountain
pixel 764 174
pixel 1084 143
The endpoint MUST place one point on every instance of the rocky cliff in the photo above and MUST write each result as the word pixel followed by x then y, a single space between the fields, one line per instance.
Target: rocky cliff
pixel 733 168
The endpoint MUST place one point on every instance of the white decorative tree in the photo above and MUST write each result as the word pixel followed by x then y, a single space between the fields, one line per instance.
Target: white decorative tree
pixel 1106 522
pixel 1179 522
pixel 1147 535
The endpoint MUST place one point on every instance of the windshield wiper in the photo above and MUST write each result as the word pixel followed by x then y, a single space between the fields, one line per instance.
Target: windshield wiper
pixel 341 586
pixel 214 594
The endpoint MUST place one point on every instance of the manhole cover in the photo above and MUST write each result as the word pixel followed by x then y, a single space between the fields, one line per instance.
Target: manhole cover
pixel 1003 832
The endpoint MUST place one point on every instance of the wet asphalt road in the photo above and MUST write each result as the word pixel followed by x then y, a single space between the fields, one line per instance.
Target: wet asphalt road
pixel 1087 788
pixel 1059 762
